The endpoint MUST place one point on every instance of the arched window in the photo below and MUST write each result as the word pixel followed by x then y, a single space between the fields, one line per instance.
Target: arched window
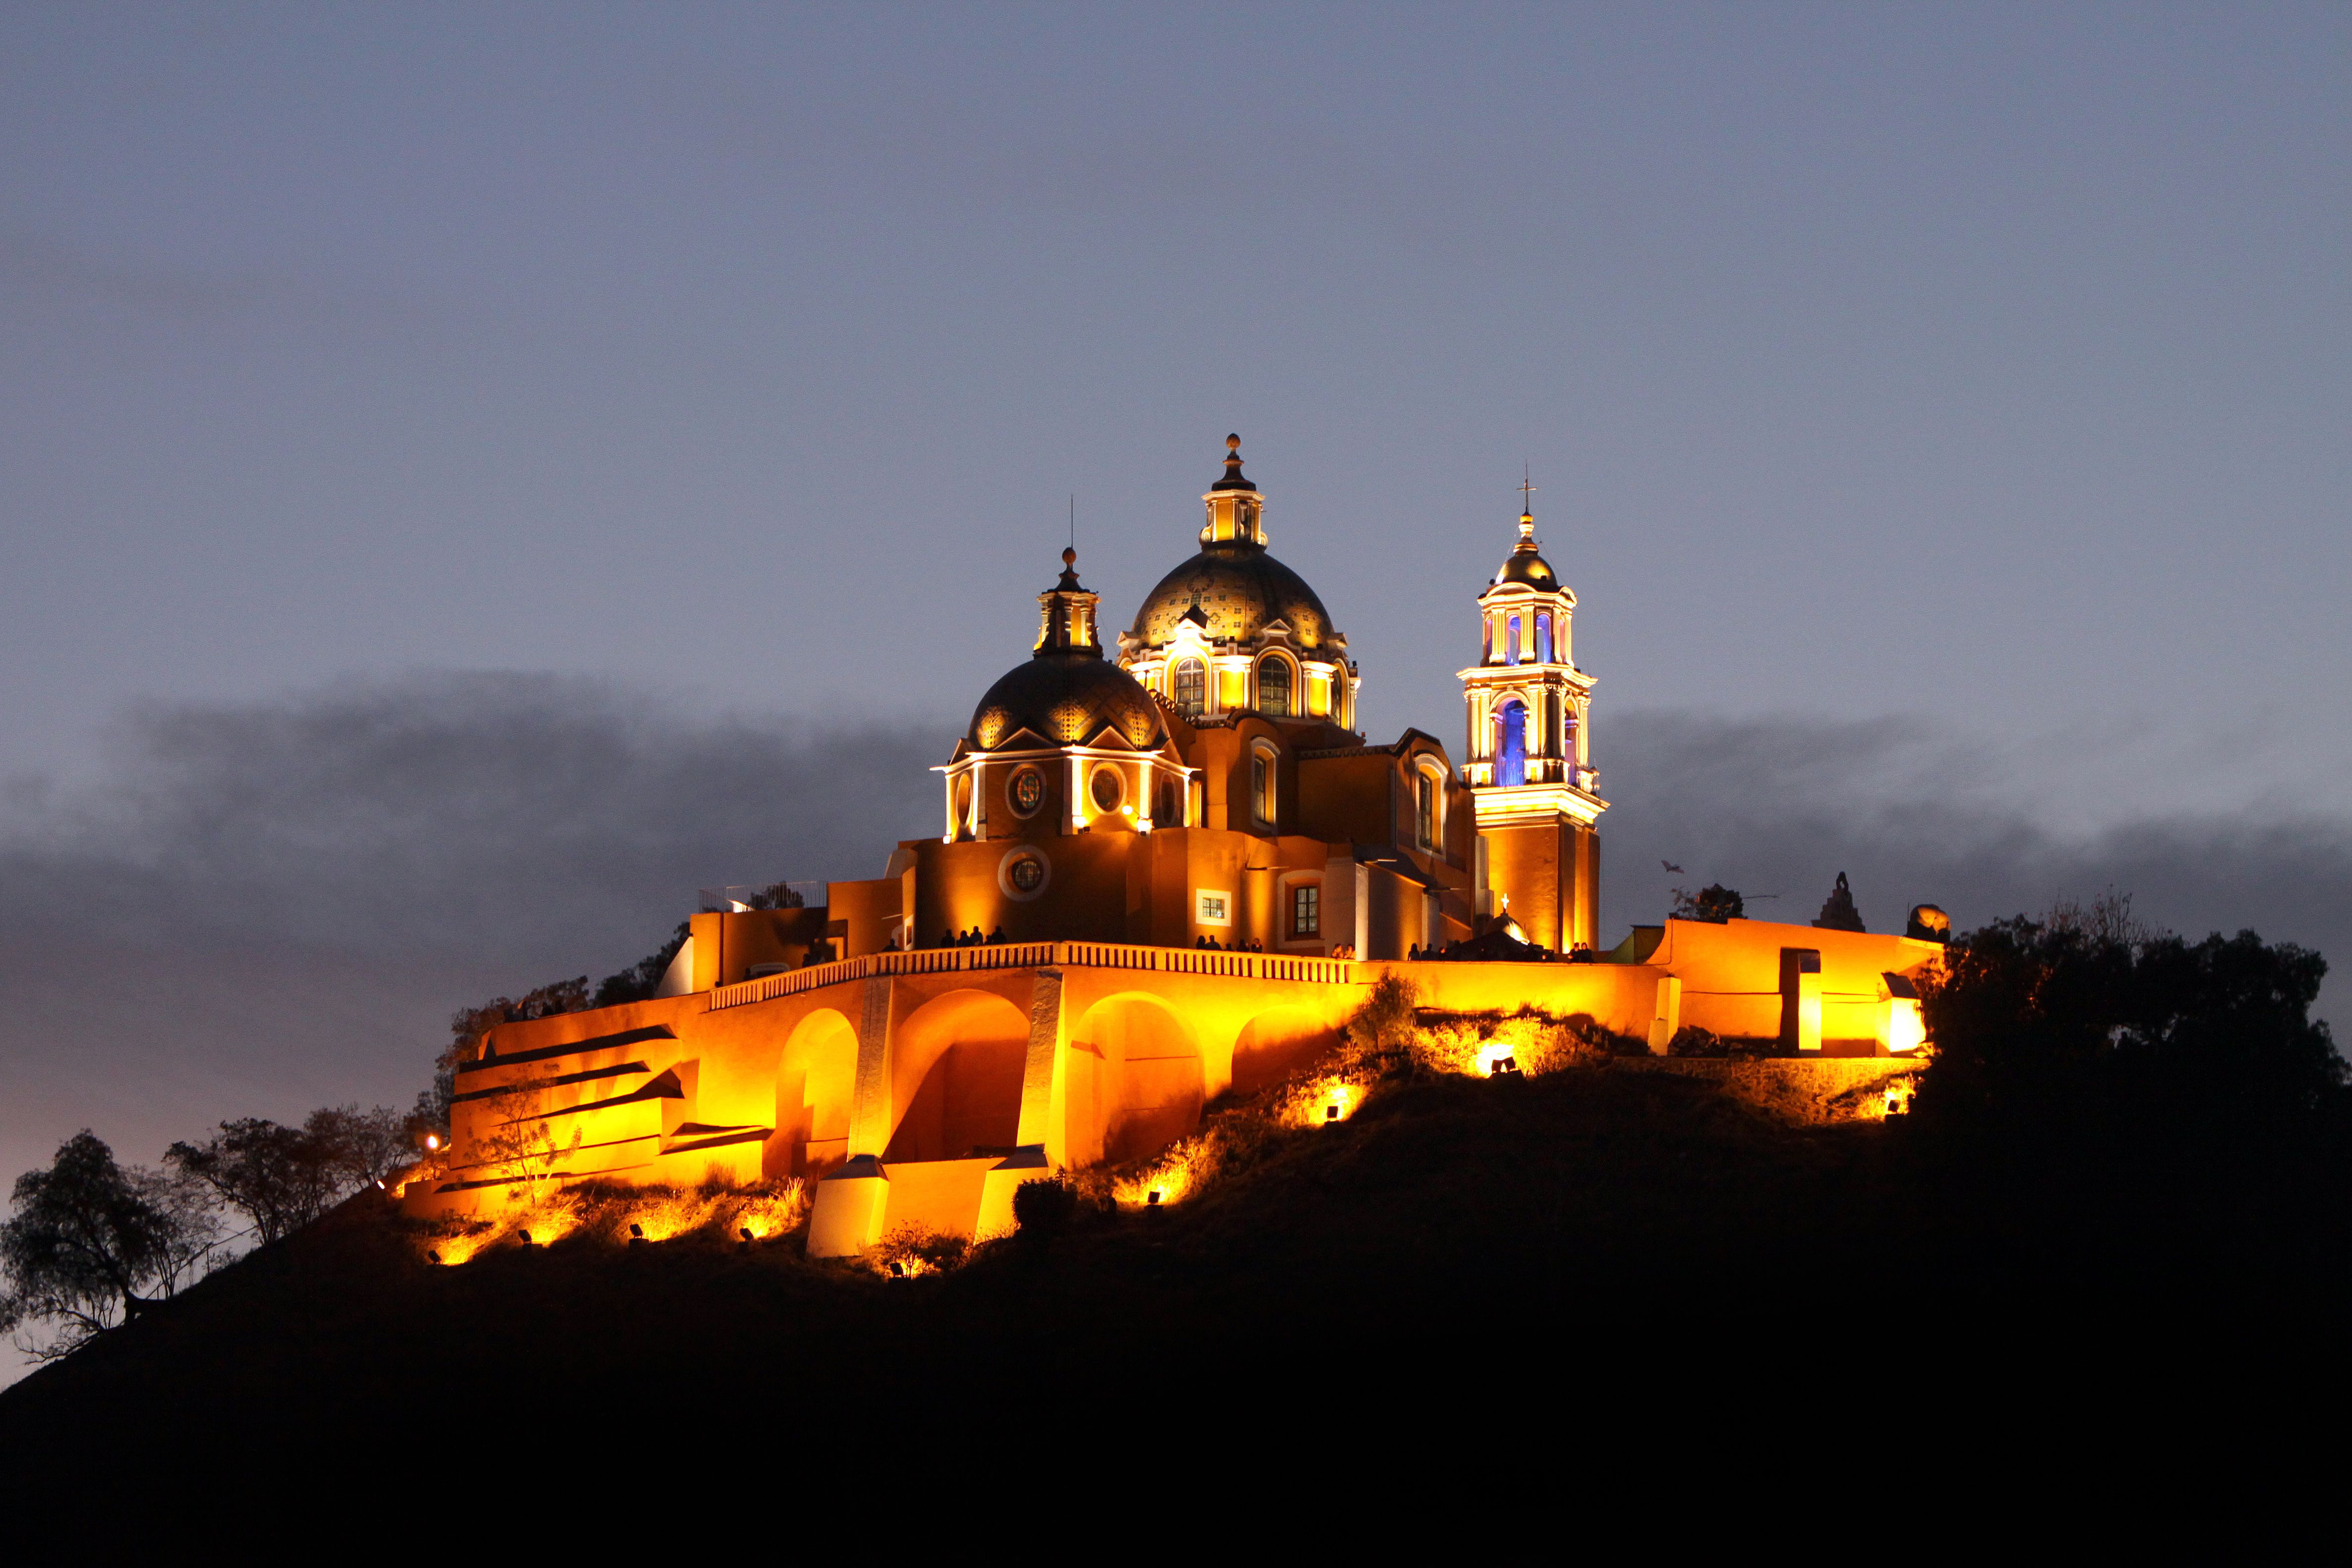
pixel 1168 813
pixel 1192 686
pixel 1274 687
pixel 1425 808
pixel 1543 639
pixel 1511 641
pixel 1511 755
pixel 1568 743
pixel 1261 797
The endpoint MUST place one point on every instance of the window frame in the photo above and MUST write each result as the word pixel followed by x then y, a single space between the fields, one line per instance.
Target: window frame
pixel 1266 785
pixel 1290 684
pixel 1200 671
pixel 1307 896
pixel 1095 776
pixel 1012 790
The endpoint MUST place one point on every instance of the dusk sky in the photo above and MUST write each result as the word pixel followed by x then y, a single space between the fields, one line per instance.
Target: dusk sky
pixel 470 475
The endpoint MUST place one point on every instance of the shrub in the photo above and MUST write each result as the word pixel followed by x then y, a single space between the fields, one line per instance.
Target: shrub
pixel 1044 1207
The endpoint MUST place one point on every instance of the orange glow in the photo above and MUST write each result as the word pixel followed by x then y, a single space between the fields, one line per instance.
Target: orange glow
pixel 647 1213
pixel 1319 1102
pixel 1171 1176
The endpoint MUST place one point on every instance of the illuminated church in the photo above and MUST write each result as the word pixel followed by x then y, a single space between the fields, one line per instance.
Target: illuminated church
pixel 1166 870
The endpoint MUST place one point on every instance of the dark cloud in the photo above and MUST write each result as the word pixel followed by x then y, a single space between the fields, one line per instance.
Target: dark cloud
pixel 263 908
pixel 1915 815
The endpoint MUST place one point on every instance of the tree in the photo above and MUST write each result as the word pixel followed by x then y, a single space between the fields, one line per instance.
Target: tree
pixel 2082 1051
pixel 1714 902
pixel 279 1177
pixel 642 979
pixel 776 896
pixel 469 1028
pixel 91 1243
pixel 362 1147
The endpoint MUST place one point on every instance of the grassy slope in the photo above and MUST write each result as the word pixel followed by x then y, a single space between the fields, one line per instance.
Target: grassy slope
pixel 1459 1248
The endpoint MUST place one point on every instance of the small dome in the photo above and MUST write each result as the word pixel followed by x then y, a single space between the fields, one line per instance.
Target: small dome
pixel 1240 589
pixel 1527 566
pixel 1067 697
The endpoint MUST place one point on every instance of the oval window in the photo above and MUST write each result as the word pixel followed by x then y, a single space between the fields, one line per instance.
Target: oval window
pixel 1107 789
pixel 1028 791
pixel 1028 874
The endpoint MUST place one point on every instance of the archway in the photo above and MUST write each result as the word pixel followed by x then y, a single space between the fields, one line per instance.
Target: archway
pixel 1144 1087
pixel 955 1077
pixel 1511 756
pixel 816 1084
pixel 1277 1043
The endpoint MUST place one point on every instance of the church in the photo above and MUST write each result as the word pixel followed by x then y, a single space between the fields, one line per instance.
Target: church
pixel 1169 869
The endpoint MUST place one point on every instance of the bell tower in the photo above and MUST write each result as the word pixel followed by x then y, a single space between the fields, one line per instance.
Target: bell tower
pixel 1529 764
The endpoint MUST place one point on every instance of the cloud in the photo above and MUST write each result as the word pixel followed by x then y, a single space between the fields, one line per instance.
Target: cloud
pixel 264 907
pixel 1914 815
pixel 43 269
pixel 257 908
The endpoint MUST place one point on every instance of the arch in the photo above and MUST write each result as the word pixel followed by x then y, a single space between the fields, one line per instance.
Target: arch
pixel 1275 682
pixel 1511 752
pixel 1543 637
pixel 1190 686
pixel 1511 641
pixel 1277 1043
pixel 1135 1081
pixel 1428 807
pixel 1264 784
pixel 955 1077
pixel 816 1082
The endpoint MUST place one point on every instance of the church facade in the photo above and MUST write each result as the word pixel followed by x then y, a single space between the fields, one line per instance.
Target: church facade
pixel 1169 869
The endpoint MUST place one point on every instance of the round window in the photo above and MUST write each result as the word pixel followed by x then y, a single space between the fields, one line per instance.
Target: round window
pixel 1107 789
pixel 1028 791
pixel 1024 873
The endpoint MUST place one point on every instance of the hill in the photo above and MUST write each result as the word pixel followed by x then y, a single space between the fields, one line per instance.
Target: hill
pixel 1636 1247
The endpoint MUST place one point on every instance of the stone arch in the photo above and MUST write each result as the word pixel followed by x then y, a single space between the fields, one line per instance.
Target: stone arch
pixel 1135 1083
pixel 1277 1043
pixel 956 1067
pixel 816 1085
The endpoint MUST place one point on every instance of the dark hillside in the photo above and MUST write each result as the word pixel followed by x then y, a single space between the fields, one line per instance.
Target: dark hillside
pixel 1624 1242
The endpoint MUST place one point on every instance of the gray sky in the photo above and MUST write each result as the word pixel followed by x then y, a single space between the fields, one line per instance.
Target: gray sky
pixel 469 475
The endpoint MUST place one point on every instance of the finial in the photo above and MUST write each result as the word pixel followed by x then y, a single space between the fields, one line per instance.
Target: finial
pixel 1526 508
pixel 1233 480
pixel 1069 582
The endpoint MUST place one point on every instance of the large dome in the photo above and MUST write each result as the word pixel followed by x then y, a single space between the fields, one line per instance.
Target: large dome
pixel 1067 697
pixel 1240 589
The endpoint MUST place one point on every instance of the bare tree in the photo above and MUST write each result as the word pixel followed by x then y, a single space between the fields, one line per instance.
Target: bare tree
pixel 91 1244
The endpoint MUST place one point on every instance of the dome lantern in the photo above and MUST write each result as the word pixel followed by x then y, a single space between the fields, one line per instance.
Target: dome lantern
pixel 1232 629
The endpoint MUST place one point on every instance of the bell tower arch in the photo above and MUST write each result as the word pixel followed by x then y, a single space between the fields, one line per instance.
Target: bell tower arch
pixel 1529 759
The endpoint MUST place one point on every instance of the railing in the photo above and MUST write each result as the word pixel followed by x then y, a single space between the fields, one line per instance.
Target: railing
pixel 1036 955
